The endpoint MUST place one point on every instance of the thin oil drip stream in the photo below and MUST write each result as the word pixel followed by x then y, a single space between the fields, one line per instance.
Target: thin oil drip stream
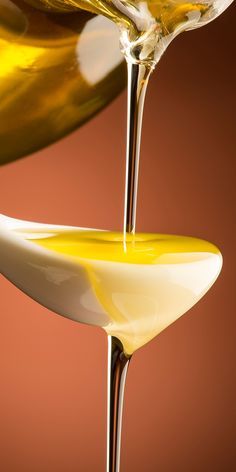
pixel 118 362
pixel 138 76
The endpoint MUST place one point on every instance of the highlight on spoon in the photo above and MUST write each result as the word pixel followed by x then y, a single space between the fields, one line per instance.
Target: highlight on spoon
pixel 87 275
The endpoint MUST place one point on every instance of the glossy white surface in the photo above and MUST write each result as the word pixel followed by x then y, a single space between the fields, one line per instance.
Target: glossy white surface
pixel 133 302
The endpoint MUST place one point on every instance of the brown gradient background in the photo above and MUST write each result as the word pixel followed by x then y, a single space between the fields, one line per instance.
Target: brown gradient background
pixel 180 396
